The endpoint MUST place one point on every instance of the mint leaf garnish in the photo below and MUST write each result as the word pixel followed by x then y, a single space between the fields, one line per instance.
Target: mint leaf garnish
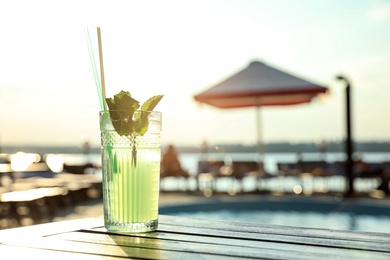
pixel 122 108
pixel 151 103
pixel 142 123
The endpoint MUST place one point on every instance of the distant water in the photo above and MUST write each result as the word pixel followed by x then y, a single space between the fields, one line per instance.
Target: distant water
pixel 189 161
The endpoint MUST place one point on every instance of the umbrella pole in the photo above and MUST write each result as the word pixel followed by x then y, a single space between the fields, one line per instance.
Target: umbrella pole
pixel 260 146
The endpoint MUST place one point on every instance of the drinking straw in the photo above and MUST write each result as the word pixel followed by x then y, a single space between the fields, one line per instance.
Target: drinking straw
pixel 101 65
pixel 94 69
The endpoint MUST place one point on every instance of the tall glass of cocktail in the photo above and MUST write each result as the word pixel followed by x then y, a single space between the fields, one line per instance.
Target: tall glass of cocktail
pixel 131 170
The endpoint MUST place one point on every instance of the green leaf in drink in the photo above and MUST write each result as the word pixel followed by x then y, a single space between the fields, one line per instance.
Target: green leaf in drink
pixel 142 123
pixel 122 108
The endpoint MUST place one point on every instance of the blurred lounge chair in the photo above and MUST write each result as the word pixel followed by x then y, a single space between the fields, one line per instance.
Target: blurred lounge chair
pixel 78 169
pixel 212 171
pixel 181 178
pixel 208 171
pixel 378 174
pixel 309 175
pixel 248 169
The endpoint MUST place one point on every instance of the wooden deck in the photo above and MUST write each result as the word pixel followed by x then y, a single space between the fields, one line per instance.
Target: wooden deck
pixel 37 200
pixel 189 238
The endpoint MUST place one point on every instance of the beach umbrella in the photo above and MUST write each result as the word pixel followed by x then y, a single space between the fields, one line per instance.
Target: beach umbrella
pixel 260 85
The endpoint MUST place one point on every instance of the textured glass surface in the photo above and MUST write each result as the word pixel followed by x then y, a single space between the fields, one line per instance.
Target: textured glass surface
pixel 131 190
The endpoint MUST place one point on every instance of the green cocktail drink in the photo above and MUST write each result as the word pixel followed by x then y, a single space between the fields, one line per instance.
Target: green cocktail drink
pixel 131 175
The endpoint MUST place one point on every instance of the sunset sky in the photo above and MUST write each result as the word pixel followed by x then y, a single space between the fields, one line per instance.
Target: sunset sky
pixel 180 48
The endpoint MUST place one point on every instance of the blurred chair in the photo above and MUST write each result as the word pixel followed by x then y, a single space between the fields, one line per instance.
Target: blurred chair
pixel 208 171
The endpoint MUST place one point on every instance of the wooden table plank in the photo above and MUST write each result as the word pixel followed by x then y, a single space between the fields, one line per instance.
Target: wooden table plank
pixel 12 252
pixel 135 251
pixel 277 237
pixel 289 234
pixel 249 227
pixel 215 245
pixel 42 230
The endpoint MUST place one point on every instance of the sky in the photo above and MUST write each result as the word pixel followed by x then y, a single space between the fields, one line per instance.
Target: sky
pixel 180 48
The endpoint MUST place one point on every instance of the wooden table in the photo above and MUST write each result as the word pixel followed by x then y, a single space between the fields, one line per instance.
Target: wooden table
pixel 189 238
